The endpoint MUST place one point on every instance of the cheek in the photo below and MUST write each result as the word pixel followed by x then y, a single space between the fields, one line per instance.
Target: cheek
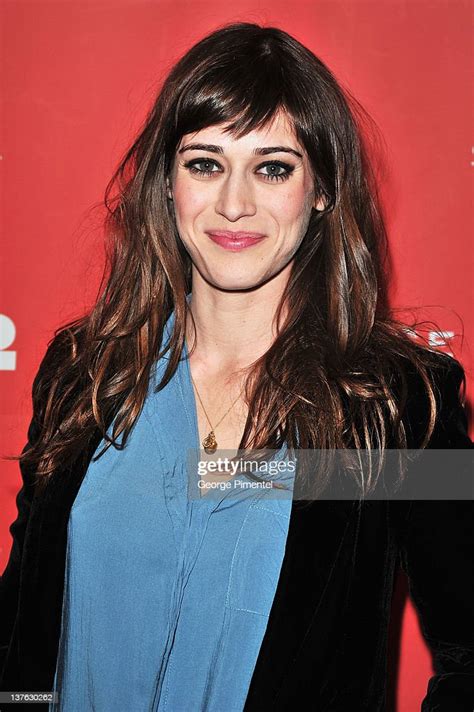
pixel 292 207
pixel 188 202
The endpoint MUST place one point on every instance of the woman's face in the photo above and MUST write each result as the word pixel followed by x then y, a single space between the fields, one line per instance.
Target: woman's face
pixel 223 187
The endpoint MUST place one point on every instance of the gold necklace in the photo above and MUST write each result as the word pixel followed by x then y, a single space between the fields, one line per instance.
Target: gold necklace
pixel 210 443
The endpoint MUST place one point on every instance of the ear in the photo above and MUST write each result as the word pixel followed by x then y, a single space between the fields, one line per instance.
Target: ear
pixel 169 192
pixel 320 204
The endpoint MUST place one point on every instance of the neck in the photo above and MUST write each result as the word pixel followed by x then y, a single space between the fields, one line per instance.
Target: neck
pixel 232 328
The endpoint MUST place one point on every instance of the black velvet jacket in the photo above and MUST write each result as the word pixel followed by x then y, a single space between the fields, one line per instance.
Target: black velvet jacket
pixel 325 646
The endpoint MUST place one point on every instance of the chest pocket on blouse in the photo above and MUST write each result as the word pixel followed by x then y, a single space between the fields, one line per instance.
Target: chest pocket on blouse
pixel 257 558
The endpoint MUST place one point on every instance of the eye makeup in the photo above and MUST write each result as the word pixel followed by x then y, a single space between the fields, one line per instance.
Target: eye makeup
pixel 272 177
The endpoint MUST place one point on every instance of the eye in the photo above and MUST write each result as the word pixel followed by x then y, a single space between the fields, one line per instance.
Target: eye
pixel 280 171
pixel 279 165
pixel 192 166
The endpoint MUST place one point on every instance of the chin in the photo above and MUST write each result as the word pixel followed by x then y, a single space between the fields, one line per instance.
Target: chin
pixel 237 284
pixel 234 286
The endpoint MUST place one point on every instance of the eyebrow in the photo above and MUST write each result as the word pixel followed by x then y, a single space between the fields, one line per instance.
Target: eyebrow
pixel 212 148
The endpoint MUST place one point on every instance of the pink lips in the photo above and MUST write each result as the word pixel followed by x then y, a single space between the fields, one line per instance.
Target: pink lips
pixel 235 241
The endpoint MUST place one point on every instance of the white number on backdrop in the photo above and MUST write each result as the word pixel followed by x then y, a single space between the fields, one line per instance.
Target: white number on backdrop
pixel 435 338
pixel 440 338
pixel 7 337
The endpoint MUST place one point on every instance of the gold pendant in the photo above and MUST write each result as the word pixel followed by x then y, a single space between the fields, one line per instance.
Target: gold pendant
pixel 210 443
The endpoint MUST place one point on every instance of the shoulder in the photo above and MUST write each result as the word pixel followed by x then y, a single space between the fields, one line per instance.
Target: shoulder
pixel 57 360
pixel 61 346
pixel 448 380
pixel 446 375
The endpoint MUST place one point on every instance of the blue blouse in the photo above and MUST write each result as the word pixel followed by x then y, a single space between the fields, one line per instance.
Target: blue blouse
pixel 167 590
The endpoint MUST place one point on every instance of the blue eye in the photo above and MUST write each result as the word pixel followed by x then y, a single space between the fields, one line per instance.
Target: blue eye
pixel 192 166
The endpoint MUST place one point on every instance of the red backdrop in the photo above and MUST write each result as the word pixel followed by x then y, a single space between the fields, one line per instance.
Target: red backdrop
pixel 77 80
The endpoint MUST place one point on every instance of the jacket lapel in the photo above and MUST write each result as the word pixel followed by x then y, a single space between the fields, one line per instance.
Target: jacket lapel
pixel 42 573
pixel 307 590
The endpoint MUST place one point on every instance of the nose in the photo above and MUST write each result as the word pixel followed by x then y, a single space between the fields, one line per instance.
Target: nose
pixel 235 198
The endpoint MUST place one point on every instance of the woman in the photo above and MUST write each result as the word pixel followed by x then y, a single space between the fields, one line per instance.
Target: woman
pixel 244 308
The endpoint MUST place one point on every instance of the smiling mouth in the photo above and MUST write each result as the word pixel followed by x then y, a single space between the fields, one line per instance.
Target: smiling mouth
pixel 238 235
pixel 235 241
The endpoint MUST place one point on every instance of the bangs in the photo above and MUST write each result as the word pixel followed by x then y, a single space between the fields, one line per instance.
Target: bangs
pixel 244 96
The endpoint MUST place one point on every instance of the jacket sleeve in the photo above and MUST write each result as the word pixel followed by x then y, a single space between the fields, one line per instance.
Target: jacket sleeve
pixel 437 555
pixel 10 579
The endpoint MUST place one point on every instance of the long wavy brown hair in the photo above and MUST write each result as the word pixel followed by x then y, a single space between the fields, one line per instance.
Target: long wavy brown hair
pixel 335 376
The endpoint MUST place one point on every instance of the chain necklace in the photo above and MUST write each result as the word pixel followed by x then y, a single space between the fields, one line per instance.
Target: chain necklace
pixel 210 443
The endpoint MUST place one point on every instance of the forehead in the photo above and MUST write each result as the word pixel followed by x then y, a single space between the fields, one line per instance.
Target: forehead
pixel 278 131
